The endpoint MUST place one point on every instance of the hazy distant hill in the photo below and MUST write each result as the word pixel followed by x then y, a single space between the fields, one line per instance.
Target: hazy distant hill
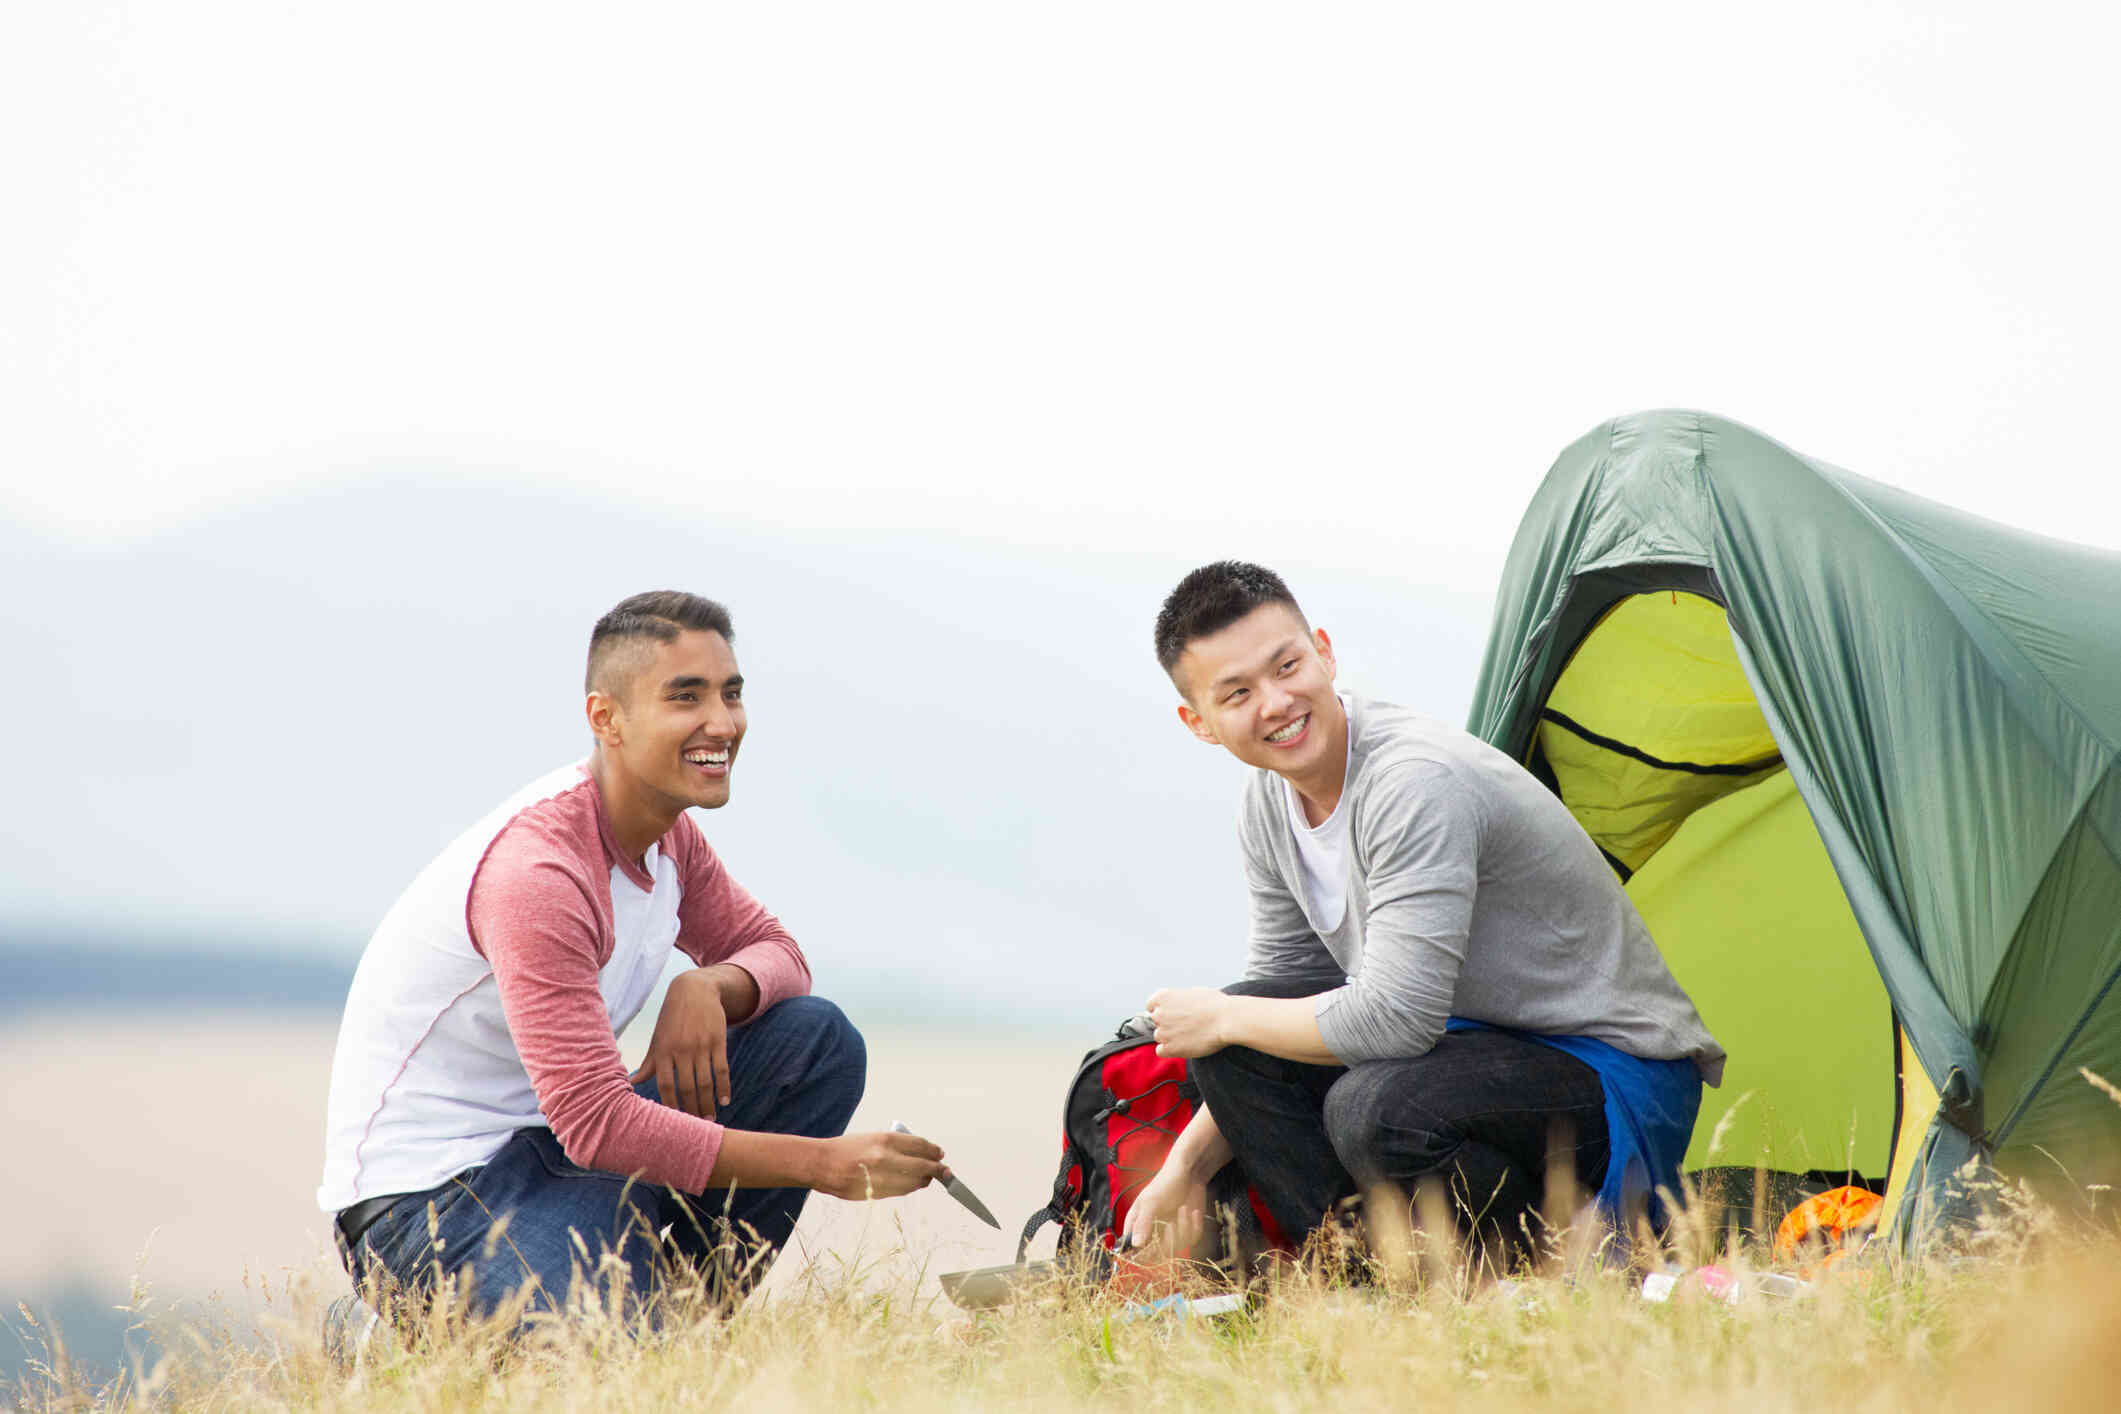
pixel 87 973
pixel 964 778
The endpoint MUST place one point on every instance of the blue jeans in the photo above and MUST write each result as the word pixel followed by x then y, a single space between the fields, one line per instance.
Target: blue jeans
pixel 797 1069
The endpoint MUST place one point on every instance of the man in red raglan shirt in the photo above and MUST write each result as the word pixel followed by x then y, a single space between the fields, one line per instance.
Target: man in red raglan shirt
pixel 477 1076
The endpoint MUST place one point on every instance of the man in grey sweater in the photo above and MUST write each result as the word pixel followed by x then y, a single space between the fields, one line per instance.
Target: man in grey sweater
pixel 1446 979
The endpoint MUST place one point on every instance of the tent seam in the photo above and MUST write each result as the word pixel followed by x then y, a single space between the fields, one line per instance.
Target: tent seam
pixel 2077 818
pixel 2047 1072
pixel 2018 1111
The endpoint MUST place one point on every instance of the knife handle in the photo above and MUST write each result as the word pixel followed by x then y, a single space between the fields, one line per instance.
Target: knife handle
pixel 900 1127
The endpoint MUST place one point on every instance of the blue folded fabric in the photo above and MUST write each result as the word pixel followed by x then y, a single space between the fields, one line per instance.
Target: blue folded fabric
pixel 1650 1108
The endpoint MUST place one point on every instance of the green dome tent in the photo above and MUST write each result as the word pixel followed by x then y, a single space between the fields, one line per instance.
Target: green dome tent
pixel 1854 755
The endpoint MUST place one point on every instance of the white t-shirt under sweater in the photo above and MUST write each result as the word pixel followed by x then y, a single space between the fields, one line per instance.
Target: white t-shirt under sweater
pixel 1323 851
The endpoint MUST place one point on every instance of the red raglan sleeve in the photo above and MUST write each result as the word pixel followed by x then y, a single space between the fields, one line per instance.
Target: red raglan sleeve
pixel 534 917
pixel 719 921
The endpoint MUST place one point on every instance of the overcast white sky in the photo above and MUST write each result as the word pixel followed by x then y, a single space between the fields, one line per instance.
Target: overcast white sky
pixel 1331 282
pixel 809 295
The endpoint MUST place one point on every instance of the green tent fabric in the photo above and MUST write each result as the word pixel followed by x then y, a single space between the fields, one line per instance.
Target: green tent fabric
pixel 1697 630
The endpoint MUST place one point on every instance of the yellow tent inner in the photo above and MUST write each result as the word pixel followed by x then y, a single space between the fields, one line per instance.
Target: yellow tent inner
pixel 1658 747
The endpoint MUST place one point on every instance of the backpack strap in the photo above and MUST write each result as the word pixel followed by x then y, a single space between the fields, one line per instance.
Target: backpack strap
pixel 1048 1214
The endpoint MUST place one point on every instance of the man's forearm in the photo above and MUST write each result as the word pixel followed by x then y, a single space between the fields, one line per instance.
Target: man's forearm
pixel 753 1158
pixel 1279 1026
pixel 851 1166
pixel 1201 1149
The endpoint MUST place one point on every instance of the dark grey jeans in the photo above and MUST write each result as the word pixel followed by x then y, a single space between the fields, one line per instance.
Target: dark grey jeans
pixel 1480 1112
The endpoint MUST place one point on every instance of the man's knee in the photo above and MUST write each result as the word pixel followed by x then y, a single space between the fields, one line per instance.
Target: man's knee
pixel 1237 1080
pixel 1230 1071
pixel 1212 1073
pixel 822 1055
pixel 1372 1133
pixel 821 1027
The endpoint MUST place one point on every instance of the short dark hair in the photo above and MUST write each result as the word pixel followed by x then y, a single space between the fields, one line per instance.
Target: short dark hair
pixel 1212 598
pixel 659 616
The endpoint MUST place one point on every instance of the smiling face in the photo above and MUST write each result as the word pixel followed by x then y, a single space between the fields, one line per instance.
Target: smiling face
pixel 668 720
pixel 1262 688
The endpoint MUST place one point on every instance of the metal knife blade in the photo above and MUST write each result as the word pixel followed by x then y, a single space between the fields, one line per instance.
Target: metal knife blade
pixel 956 1188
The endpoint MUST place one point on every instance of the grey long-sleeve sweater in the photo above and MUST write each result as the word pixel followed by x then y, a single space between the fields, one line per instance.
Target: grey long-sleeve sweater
pixel 1471 892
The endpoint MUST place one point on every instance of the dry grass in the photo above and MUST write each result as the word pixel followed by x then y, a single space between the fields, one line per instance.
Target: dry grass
pixel 2022 1312
pixel 2021 1317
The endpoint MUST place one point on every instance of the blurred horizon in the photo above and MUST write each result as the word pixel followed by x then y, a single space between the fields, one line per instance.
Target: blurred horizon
pixel 964 777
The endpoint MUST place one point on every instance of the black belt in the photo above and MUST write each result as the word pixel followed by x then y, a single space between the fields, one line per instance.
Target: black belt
pixel 355 1220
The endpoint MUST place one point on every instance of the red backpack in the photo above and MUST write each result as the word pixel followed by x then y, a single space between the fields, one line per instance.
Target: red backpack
pixel 1125 1108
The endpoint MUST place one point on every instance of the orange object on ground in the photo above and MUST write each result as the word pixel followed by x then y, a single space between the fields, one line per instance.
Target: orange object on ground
pixel 1828 1217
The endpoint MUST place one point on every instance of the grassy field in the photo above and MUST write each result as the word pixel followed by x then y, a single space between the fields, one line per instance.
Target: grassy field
pixel 2022 1315
pixel 2025 1313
